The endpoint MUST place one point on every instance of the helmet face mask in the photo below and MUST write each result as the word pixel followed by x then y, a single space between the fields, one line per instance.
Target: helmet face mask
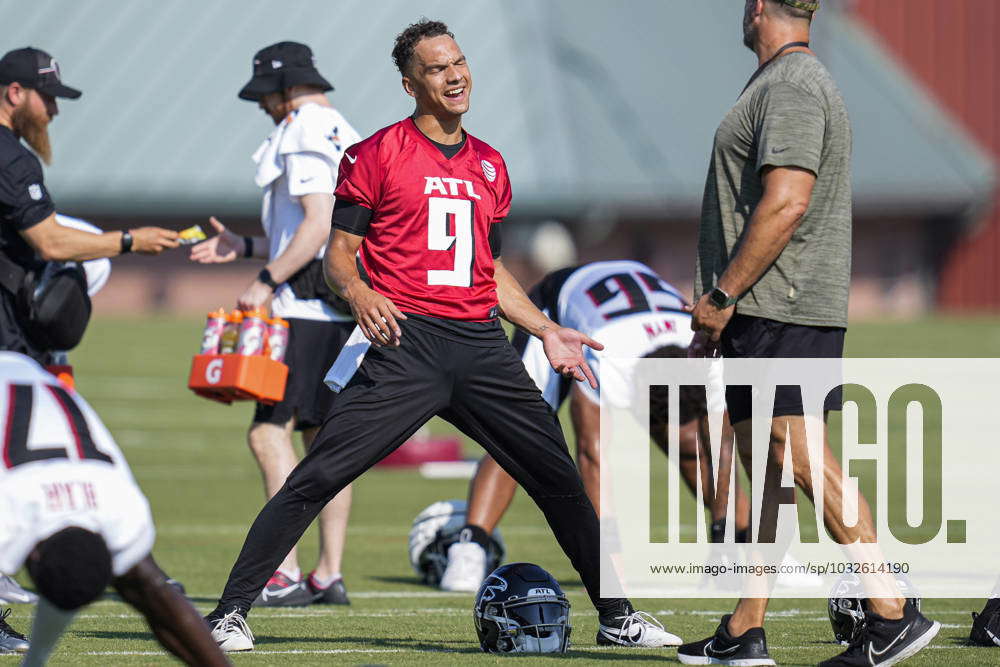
pixel 847 616
pixel 531 625
pixel 521 609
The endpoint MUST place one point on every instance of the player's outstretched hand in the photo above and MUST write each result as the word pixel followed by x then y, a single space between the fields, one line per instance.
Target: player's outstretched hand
pixel 153 240
pixel 564 349
pixel 223 247
pixel 375 314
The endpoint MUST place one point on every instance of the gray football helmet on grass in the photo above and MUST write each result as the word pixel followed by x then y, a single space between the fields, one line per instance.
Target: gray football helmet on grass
pixel 435 529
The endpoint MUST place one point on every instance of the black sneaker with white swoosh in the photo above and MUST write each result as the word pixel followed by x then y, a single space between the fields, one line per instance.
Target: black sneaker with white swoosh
pixel 747 650
pixel 986 625
pixel 887 642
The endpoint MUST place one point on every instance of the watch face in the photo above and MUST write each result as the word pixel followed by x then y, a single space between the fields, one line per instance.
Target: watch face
pixel 718 297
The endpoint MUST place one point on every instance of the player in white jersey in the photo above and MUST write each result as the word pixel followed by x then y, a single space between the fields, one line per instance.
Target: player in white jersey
pixel 98 271
pixel 73 516
pixel 634 313
pixel 297 169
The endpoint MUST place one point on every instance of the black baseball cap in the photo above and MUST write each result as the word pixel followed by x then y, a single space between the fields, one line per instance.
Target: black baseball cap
pixel 34 68
pixel 282 66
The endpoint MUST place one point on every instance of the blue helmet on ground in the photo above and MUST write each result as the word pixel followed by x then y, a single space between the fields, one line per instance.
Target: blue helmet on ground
pixel 520 608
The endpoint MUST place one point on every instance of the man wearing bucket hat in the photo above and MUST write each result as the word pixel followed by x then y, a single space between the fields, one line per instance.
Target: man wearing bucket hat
pixel 297 169
pixel 30 83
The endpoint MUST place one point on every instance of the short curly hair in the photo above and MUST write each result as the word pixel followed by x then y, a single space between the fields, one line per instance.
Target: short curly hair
pixel 406 41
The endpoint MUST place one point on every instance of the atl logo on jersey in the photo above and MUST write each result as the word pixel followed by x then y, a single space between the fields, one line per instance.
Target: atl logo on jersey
pixel 436 185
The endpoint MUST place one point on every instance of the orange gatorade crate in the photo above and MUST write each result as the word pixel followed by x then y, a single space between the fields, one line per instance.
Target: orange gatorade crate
pixel 238 377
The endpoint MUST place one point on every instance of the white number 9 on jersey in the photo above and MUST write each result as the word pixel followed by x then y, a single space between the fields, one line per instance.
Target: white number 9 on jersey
pixel 438 238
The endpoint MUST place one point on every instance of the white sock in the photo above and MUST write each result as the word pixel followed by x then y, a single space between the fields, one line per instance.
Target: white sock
pixel 325 583
pixel 294 575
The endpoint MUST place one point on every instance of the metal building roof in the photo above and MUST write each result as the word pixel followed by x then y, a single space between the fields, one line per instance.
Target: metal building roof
pixel 593 104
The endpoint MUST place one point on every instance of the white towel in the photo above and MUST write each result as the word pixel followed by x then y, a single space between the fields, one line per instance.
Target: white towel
pixel 306 130
pixel 348 361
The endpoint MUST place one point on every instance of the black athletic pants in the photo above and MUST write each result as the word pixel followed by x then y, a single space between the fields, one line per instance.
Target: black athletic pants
pixel 485 392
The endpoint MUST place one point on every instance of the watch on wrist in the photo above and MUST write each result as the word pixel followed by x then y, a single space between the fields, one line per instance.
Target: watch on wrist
pixel 265 277
pixel 721 299
pixel 126 246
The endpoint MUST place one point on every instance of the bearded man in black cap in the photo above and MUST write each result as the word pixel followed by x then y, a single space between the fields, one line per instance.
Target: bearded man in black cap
pixel 30 236
pixel 30 82
pixel 297 169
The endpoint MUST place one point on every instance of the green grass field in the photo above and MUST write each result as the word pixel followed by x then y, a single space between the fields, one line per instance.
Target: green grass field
pixel 191 460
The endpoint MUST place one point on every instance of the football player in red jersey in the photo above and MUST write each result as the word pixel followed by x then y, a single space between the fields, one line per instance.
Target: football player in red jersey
pixel 418 211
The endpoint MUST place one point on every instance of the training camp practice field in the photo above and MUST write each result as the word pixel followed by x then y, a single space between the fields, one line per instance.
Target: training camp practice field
pixel 190 458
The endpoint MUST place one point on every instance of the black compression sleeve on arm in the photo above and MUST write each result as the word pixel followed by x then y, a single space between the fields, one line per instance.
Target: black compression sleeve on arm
pixel 351 217
pixel 495 242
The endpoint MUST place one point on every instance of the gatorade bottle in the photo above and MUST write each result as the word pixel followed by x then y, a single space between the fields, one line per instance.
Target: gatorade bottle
pixel 231 333
pixel 278 339
pixel 253 332
pixel 213 332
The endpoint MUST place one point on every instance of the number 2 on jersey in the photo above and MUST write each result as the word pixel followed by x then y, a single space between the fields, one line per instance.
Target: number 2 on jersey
pixel 20 403
pixel 440 211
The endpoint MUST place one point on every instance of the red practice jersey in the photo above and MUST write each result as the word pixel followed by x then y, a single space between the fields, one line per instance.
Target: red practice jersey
pixel 427 246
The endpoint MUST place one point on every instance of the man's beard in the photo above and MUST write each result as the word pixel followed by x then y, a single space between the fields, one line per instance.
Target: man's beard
pixel 749 31
pixel 34 130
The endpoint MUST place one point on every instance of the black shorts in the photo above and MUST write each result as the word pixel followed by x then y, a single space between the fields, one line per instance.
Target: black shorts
pixel 313 346
pixel 756 337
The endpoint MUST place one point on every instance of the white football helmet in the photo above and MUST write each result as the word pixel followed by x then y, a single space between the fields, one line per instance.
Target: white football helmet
pixel 437 528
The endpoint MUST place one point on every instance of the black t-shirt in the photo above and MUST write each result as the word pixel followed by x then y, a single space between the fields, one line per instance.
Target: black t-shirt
pixel 24 201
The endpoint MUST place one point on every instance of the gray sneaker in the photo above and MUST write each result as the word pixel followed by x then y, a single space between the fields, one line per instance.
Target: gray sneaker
pixel 11 641
pixel 12 593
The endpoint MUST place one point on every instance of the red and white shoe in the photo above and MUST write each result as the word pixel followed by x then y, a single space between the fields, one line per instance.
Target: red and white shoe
pixel 282 591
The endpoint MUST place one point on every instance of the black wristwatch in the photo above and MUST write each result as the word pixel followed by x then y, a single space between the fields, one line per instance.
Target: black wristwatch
pixel 126 242
pixel 265 277
pixel 720 299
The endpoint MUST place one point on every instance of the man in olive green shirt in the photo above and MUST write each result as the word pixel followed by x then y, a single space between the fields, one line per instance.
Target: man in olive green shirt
pixel 773 272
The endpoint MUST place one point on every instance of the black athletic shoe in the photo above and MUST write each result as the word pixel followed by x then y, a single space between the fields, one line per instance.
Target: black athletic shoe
pixel 11 641
pixel 747 650
pixel 885 642
pixel 281 591
pixel 986 625
pixel 335 593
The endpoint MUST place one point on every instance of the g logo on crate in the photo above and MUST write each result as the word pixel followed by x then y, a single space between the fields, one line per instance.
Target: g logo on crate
pixel 213 372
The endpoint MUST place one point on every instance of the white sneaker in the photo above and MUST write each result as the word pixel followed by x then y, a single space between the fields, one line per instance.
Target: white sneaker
pixel 797 579
pixel 11 592
pixel 466 568
pixel 636 628
pixel 232 633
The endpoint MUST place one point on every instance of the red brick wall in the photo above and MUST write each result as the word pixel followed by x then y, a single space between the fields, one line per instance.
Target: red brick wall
pixel 951 47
